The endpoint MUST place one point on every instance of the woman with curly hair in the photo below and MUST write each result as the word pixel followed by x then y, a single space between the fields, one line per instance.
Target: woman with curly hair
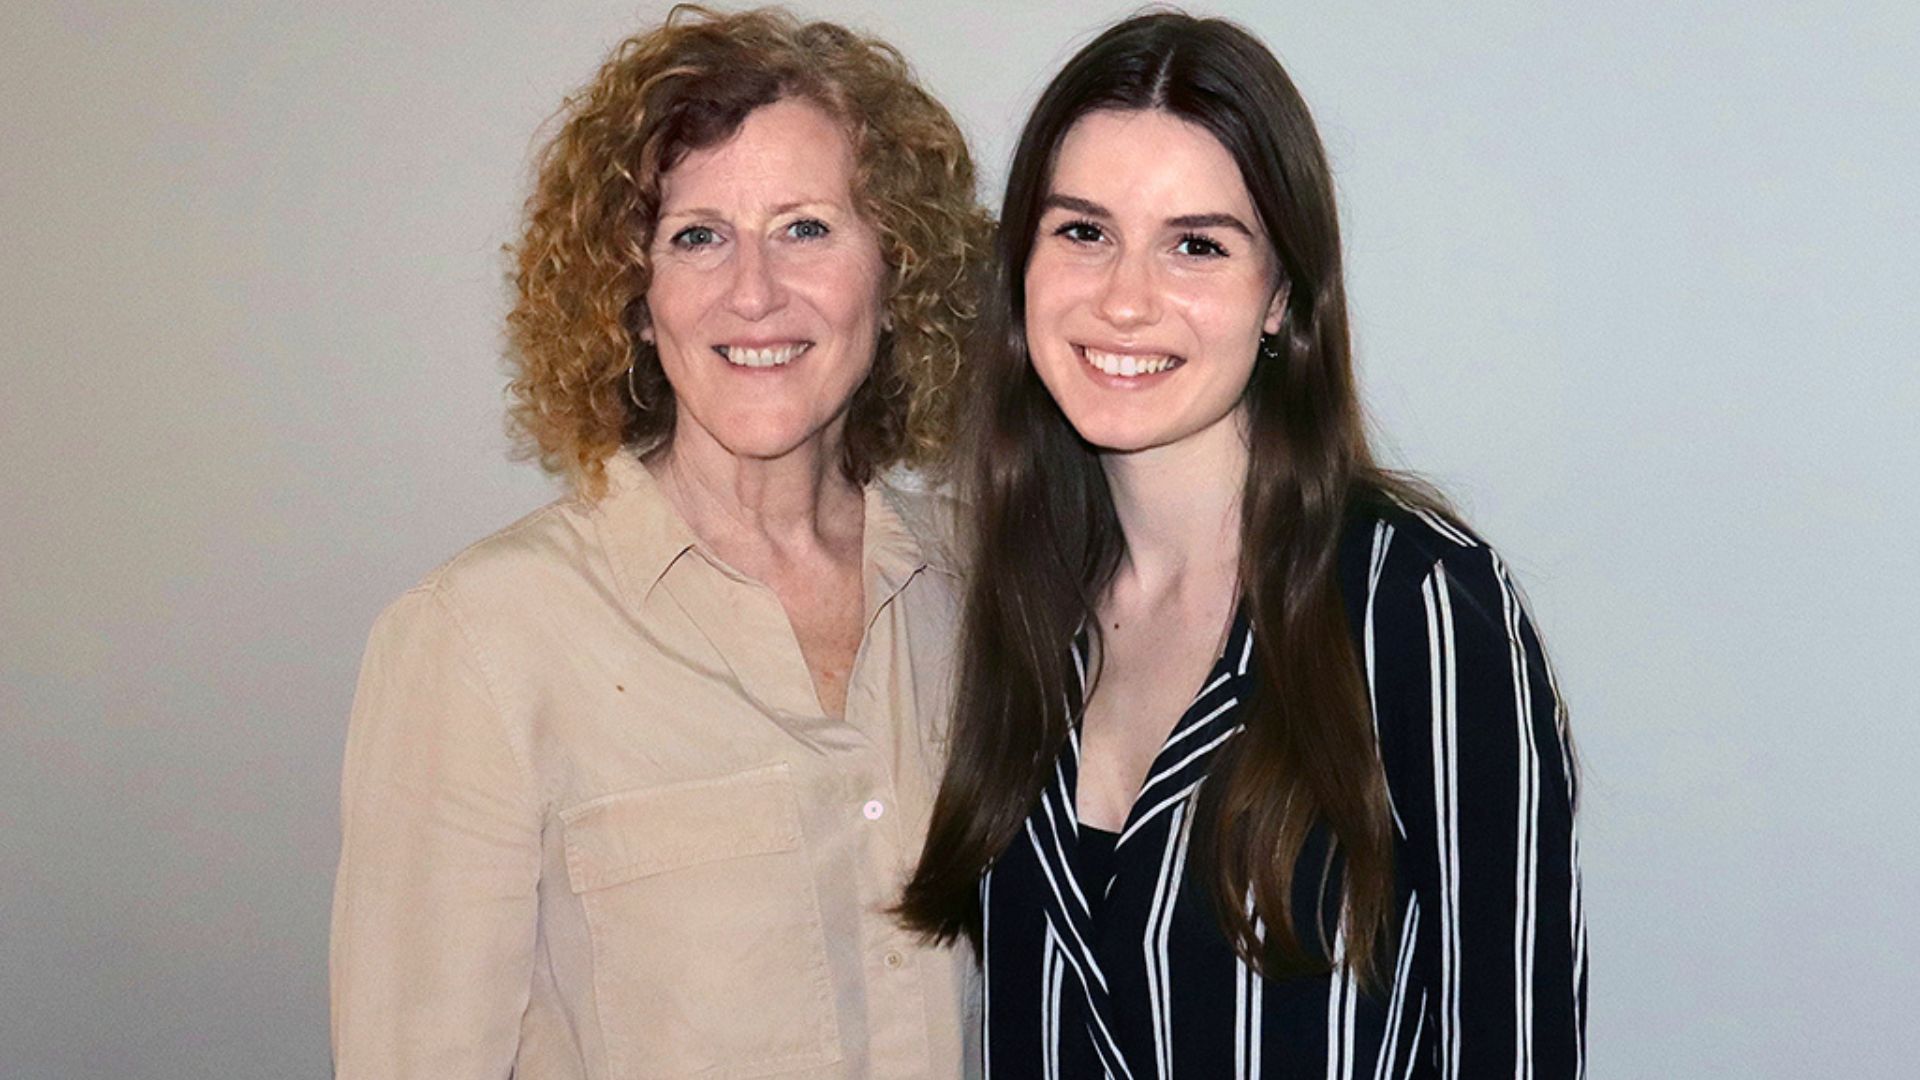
pixel 630 785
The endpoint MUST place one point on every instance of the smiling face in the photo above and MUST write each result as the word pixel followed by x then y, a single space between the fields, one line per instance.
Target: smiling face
pixel 1149 283
pixel 767 289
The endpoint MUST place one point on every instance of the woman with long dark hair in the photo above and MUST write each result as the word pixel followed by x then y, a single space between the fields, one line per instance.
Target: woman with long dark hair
pixel 1257 768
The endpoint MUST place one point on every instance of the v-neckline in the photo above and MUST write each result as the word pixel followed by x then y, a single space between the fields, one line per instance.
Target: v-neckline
pixel 1188 747
pixel 1071 897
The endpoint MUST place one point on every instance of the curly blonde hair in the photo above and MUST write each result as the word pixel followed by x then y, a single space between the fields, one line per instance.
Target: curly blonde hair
pixel 585 384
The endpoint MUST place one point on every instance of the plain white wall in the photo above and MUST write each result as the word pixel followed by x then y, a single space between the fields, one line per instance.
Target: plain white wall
pixel 1632 281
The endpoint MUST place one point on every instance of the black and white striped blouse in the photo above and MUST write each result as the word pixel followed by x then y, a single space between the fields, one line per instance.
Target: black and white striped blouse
pixel 1115 965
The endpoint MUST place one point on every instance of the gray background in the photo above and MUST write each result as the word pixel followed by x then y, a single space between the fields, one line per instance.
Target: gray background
pixel 1633 283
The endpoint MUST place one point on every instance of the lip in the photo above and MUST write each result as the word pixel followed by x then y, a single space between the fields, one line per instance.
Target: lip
pixel 1126 382
pixel 762 355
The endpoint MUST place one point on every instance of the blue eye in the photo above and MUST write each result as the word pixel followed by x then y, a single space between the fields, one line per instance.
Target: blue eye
pixel 694 236
pixel 1080 232
pixel 808 229
pixel 1195 244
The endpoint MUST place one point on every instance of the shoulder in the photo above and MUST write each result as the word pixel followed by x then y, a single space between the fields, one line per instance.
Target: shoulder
pixel 1400 561
pixel 930 510
pixel 555 536
pixel 506 571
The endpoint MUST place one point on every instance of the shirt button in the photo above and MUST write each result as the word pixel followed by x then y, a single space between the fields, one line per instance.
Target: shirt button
pixel 894 959
pixel 873 809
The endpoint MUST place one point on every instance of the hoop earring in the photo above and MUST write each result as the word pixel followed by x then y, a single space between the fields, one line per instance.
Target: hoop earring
pixel 1271 348
pixel 633 395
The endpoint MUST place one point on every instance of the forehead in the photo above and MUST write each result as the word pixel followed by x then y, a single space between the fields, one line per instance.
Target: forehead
pixel 1149 162
pixel 789 151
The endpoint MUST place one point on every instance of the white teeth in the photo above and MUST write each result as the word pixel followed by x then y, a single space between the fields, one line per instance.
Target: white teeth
pixel 1126 365
pixel 740 356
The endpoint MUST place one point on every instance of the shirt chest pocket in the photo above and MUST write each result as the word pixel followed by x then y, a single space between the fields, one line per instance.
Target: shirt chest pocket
pixel 708 952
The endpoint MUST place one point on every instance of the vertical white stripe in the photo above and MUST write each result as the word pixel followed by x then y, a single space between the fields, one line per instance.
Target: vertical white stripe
pixel 1256 999
pixel 1053 975
pixel 1104 1045
pixel 1066 864
pixel 1157 989
pixel 1083 959
pixel 1066 796
pixel 1397 1003
pixel 1382 541
pixel 1340 995
pixel 1347 1027
pixel 1526 829
pixel 1413 1048
pixel 1579 967
pixel 1440 645
pixel 986 975
pixel 1240 973
pixel 1247 995
pixel 1049 1044
pixel 1182 830
pixel 1575 909
pixel 1109 1050
pixel 1160 982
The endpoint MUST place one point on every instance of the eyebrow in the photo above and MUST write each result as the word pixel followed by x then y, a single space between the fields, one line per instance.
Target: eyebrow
pixel 783 208
pixel 1077 205
pixel 1211 221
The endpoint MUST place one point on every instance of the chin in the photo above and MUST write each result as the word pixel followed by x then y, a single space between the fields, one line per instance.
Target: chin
pixel 1111 425
pixel 763 436
pixel 1115 435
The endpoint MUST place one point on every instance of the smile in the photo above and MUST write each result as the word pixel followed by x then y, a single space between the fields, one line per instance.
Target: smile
pixel 762 356
pixel 1127 365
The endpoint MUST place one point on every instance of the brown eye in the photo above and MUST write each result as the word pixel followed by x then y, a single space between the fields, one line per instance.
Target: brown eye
pixel 1203 246
pixel 1080 232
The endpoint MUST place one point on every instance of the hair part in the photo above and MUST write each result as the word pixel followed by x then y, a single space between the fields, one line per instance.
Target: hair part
pixel 1294 811
pixel 584 383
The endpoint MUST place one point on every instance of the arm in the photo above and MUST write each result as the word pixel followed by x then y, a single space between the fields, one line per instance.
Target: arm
pixel 434 908
pixel 1486 788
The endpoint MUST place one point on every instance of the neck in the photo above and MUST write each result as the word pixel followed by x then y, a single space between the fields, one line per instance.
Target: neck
pixel 1179 507
pixel 799 498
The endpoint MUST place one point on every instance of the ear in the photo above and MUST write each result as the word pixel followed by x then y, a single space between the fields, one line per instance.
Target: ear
pixel 1277 309
pixel 643 322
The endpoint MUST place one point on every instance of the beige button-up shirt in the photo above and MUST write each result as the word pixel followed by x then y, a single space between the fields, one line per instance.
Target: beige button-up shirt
pixel 596 824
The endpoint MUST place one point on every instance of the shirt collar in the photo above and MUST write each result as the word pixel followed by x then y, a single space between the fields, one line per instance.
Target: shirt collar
pixel 641 531
pixel 645 536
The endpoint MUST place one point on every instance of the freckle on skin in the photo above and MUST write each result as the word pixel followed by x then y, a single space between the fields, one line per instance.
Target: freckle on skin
pixel 620 688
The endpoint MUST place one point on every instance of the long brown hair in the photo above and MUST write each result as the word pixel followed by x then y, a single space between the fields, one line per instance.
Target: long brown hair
pixel 1047 542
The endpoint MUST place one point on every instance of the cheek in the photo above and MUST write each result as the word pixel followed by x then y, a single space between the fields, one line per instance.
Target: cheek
pixel 1050 297
pixel 1226 317
pixel 850 292
pixel 673 304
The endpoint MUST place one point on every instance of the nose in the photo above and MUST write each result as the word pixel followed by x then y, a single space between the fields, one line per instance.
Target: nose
pixel 756 290
pixel 1130 296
